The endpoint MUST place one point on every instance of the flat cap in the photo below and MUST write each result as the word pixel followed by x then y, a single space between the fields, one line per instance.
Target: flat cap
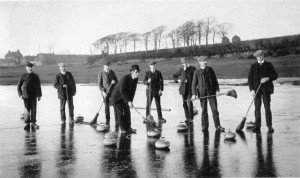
pixel 61 64
pixel 106 63
pixel 152 62
pixel 29 64
pixel 258 53
pixel 201 58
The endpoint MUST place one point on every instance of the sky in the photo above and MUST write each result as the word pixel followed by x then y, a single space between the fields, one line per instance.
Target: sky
pixel 70 27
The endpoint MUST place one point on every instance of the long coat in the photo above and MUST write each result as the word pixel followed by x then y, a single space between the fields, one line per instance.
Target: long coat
pixel 157 82
pixel 186 79
pixel 104 81
pixel 59 82
pixel 208 82
pixel 124 90
pixel 29 86
pixel 257 72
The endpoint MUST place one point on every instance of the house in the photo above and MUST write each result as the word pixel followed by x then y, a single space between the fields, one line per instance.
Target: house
pixel 45 59
pixel 27 59
pixel 14 55
pixel 8 62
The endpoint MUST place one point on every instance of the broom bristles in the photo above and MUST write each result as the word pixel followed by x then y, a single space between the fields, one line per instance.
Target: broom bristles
pixel 150 120
pixel 94 121
pixel 231 93
pixel 241 125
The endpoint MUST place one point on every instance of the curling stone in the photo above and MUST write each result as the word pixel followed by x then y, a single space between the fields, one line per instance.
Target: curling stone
pixel 102 127
pixel 229 135
pixel 110 141
pixel 162 143
pixel 181 127
pixel 153 133
pixel 250 124
pixel 79 118
pixel 195 111
pixel 111 135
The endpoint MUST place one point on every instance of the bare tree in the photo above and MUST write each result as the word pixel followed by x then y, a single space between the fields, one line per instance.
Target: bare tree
pixel 134 37
pixel 224 29
pixel 172 36
pixel 146 39
pixel 157 35
pixel 187 31
pixel 208 26
pixel 215 30
pixel 199 30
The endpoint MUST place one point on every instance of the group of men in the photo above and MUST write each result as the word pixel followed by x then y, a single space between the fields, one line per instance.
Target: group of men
pixel 195 83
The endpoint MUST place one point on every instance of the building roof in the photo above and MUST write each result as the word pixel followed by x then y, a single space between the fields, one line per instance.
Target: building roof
pixel 14 54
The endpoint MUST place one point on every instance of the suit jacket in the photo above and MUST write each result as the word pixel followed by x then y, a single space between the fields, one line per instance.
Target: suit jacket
pixel 59 82
pixel 157 82
pixel 104 81
pixel 186 79
pixel 257 72
pixel 205 82
pixel 124 90
pixel 29 86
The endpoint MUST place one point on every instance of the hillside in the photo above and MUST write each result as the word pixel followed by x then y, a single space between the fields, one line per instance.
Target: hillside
pixel 225 68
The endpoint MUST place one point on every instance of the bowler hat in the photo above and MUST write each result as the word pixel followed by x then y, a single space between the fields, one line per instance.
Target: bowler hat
pixel 258 53
pixel 135 67
pixel 29 64
pixel 201 58
pixel 61 64
pixel 152 62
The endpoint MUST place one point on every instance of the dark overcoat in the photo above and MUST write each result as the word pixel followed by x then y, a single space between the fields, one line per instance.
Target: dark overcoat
pixel 29 86
pixel 208 83
pixel 124 90
pixel 70 82
pixel 104 81
pixel 186 79
pixel 157 82
pixel 257 72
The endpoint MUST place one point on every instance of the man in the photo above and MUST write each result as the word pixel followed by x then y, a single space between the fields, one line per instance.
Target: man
pixel 262 72
pixel 186 78
pixel 106 82
pixel 66 89
pixel 122 98
pixel 29 89
pixel 154 81
pixel 205 83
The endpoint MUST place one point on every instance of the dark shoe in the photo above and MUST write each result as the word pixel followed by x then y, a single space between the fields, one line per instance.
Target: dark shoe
pixel 220 128
pixel 27 126
pixel 256 129
pixel 162 120
pixel 131 130
pixel 34 125
pixel 271 130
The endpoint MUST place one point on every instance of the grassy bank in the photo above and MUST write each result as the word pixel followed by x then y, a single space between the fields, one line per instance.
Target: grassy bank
pixel 225 68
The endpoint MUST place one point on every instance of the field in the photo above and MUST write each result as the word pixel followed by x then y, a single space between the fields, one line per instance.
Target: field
pixel 225 68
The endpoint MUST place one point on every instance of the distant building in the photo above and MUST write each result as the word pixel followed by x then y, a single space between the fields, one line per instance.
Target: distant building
pixel 45 59
pixel 8 62
pixel 27 59
pixel 225 40
pixel 14 55
pixel 236 39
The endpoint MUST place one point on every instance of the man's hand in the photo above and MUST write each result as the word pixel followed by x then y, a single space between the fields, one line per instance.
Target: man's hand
pixel 21 96
pixel 193 97
pixel 130 104
pixel 104 94
pixel 39 98
pixel 113 82
pixel 264 80
pixel 159 92
pixel 218 93
pixel 149 80
pixel 252 93
pixel 65 86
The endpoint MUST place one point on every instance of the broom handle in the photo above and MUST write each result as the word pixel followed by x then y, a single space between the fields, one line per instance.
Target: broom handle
pixel 104 98
pixel 253 99
pixel 139 112
pixel 150 97
pixel 205 97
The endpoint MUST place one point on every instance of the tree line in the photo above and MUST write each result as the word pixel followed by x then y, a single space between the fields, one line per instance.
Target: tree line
pixel 188 34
